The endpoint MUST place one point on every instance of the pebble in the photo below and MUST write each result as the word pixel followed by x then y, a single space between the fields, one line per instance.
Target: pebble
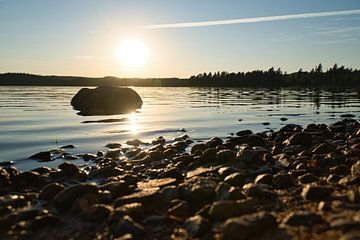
pixel 197 226
pixel 42 156
pixel 258 190
pixel 249 156
pixel 314 193
pixel 113 145
pixel 97 212
pixel 222 210
pixel 235 179
pixel 283 180
pixel 220 188
pixel 303 219
pixel 180 210
pixel 71 146
pixel 225 155
pixel 307 178
pixel 198 190
pixel 264 179
pixel 355 169
pixel 250 226
pixel 69 169
pixel 126 225
pixel 66 198
pixel 304 139
pixel 49 191
pixel 134 210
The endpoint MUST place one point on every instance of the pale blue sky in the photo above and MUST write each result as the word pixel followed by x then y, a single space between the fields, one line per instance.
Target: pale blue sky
pixel 80 37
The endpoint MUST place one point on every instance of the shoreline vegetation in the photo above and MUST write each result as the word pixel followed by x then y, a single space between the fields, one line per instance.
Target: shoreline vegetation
pixel 335 76
pixel 294 183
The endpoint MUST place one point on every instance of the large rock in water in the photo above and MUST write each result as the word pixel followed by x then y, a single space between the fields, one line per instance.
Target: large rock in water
pixel 106 100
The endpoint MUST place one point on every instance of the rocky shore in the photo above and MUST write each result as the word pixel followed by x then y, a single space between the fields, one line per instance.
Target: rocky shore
pixel 295 183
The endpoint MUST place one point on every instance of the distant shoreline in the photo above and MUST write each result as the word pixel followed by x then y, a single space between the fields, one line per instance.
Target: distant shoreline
pixel 335 77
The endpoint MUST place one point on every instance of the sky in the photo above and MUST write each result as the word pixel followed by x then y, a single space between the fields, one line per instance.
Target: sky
pixel 181 38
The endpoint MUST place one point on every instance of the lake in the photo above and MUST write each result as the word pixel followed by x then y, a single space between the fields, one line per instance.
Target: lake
pixel 36 119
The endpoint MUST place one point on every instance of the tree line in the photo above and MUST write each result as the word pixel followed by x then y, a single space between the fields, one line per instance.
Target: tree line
pixel 334 76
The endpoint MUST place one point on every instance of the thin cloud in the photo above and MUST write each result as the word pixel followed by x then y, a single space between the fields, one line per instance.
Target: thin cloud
pixel 339 30
pixel 252 20
pixel 330 42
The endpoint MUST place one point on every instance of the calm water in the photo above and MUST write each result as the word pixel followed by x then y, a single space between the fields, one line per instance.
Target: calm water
pixel 34 119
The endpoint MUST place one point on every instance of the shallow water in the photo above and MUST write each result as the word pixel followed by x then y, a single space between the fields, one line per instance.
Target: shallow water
pixel 34 119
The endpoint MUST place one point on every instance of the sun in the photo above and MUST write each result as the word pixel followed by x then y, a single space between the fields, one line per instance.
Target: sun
pixel 132 53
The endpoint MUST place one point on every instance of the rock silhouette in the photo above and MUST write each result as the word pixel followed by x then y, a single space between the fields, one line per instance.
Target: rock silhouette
pixel 106 100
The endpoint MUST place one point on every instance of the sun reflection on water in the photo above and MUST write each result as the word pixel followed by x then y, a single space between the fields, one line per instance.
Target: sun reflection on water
pixel 133 127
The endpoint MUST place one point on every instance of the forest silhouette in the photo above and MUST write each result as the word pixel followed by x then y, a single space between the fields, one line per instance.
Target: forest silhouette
pixel 333 77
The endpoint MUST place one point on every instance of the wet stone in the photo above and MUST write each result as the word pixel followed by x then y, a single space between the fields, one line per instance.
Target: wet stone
pixel 113 145
pixel 70 146
pixel 113 153
pixel 42 156
pixel 134 142
pixel 69 169
pixel 88 156
pixel 6 163
pixel 244 132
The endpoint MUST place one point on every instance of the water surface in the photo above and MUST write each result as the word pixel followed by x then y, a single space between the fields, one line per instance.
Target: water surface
pixel 36 119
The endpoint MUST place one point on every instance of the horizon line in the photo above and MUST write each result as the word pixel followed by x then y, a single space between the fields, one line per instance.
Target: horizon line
pixel 251 20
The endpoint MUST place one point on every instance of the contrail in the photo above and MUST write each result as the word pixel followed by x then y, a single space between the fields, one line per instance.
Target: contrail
pixel 251 20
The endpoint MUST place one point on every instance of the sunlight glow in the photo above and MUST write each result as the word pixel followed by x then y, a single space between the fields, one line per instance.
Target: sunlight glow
pixel 132 53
